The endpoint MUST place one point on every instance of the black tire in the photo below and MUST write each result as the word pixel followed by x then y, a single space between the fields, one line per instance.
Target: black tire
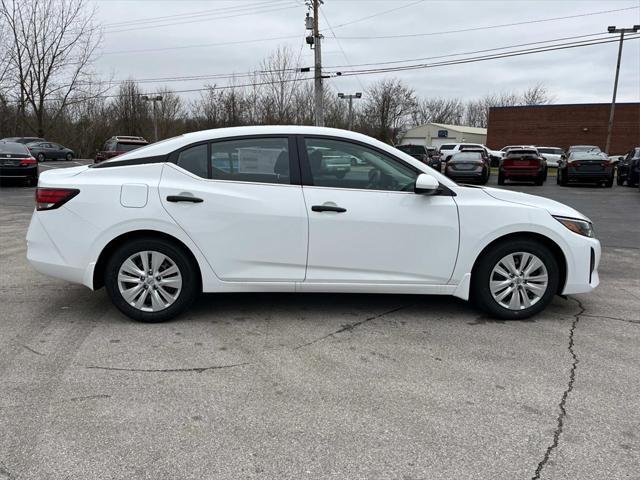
pixel 539 180
pixel 500 177
pixel 41 158
pixel 32 181
pixel 190 281
pixel 68 157
pixel 563 179
pixel 481 294
pixel 619 180
pixel 609 183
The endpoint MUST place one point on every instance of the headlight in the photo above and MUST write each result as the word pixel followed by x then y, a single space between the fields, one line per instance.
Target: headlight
pixel 581 227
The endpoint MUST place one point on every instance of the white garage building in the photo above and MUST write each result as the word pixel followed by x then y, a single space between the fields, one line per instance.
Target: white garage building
pixel 435 134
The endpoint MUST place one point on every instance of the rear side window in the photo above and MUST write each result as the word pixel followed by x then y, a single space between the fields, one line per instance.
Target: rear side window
pixel 127 147
pixel 263 160
pixel 194 160
pixel 447 147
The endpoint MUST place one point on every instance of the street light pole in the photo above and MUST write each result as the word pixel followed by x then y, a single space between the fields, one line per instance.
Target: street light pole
pixel 357 96
pixel 154 99
pixel 621 31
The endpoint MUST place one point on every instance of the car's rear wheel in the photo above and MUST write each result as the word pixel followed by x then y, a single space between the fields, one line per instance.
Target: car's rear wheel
pixel 515 280
pixel 619 180
pixel 539 179
pixel 500 177
pixel 41 158
pixel 151 280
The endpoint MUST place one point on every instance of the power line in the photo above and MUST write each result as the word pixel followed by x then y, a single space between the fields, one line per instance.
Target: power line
pixel 486 27
pixel 362 19
pixel 192 14
pixel 479 59
pixel 170 24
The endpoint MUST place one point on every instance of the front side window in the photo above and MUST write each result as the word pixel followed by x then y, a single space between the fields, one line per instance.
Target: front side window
pixel 263 160
pixel 341 164
pixel 194 160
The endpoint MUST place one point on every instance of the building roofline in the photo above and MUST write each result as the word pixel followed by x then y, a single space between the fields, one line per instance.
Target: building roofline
pixel 568 105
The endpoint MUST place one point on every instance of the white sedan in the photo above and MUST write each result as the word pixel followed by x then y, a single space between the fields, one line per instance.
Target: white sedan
pixel 258 209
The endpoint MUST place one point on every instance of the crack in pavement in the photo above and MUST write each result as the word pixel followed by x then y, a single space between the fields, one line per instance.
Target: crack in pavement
pixel 563 400
pixel 167 370
pixel 628 320
pixel 349 327
pixel 61 402
pixel 32 350
pixel 4 472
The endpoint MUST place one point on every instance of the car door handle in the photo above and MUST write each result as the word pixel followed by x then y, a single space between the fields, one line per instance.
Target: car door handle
pixel 328 208
pixel 184 198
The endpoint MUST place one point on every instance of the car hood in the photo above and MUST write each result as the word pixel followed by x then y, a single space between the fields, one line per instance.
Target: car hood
pixel 551 206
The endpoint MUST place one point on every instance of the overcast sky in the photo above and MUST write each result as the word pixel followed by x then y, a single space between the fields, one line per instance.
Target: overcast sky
pixel 579 75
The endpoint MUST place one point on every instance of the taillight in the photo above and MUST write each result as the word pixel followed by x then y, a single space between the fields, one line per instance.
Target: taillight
pixel 28 161
pixel 51 198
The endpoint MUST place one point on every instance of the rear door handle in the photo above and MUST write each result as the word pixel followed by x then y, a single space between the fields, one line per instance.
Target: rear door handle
pixel 184 198
pixel 328 208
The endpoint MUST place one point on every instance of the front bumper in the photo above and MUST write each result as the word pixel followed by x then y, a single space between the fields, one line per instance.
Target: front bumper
pixel 582 267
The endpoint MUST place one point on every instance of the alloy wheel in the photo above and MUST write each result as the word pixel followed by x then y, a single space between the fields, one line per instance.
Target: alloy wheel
pixel 149 281
pixel 518 281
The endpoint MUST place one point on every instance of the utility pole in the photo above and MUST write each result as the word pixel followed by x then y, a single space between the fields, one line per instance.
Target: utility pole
pixel 154 99
pixel 350 97
pixel 621 31
pixel 315 40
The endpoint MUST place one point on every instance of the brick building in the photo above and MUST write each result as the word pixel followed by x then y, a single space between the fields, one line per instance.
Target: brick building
pixel 564 125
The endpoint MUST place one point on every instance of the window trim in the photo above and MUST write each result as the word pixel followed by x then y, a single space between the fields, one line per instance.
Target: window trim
pixel 294 169
pixel 307 178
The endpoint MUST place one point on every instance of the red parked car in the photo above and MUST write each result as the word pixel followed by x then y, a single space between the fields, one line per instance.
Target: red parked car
pixel 524 165
pixel 118 145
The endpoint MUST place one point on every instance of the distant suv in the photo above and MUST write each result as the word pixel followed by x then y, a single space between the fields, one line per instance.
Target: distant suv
pixel 628 168
pixel 427 155
pixel 523 164
pixel 118 145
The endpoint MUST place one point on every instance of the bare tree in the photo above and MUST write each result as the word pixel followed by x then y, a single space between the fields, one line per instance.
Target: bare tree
pixel 280 75
pixel 537 95
pixel 53 44
pixel 130 113
pixel 387 110
pixel 170 112
pixel 439 110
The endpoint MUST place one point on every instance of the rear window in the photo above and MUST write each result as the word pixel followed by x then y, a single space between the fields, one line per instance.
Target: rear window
pixel 551 151
pixel 465 155
pixel 13 148
pixel 412 149
pixel 127 147
pixel 586 156
pixel 519 153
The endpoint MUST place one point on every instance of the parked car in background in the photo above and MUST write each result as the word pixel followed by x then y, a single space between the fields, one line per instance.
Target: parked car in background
pixel 159 225
pixel 585 166
pixel 427 155
pixel 469 166
pixel 118 145
pixel 583 148
pixel 50 151
pixel 628 167
pixel 23 139
pixel 448 150
pixel 522 164
pixel 17 163
pixel 551 154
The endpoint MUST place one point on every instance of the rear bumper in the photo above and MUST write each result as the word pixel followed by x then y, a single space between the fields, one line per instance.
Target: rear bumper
pixel 577 176
pixel 18 172
pixel 521 173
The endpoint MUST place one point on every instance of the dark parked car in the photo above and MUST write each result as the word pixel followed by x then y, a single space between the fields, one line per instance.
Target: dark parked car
pixel 50 151
pixel 118 145
pixel 469 166
pixel 17 163
pixel 590 166
pixel 23 139
pixel 524 164
pixel 427 155
pixel 629 168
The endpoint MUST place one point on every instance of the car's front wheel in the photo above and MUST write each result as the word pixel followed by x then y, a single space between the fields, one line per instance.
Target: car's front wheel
pixel 151 280
pixel 68 157
pixel 515 280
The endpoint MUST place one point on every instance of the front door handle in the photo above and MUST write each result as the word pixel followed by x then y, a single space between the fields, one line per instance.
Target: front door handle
pixel 184 198
pixel 328 208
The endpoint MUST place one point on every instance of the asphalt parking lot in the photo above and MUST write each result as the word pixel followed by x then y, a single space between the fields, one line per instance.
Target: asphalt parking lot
pixel 323 386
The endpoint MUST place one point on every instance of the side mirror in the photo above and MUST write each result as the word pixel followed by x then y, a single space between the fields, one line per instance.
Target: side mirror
pixel 426 184
pixel 620 158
